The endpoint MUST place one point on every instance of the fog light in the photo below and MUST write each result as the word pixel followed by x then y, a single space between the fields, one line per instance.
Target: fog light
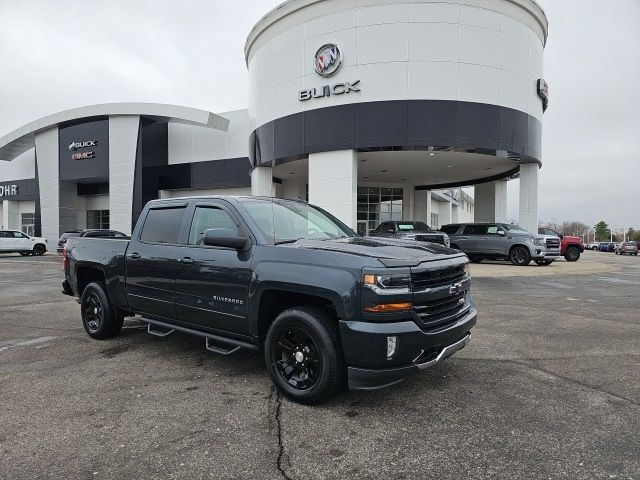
pixel 392 346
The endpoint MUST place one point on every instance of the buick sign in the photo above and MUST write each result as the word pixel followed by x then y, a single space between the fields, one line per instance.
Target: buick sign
pixel 76 145
pixel 328 90
pixel 328 60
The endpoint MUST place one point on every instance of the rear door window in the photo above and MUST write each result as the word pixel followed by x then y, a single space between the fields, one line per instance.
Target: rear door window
pixel 449 229
pixel 162 225
pixel 475 230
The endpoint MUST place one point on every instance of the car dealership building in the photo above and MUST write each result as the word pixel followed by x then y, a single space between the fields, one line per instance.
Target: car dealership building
pixel 371 109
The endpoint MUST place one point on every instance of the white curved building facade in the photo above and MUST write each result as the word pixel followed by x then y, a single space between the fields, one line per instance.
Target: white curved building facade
pixel 372 109
pixel 423 94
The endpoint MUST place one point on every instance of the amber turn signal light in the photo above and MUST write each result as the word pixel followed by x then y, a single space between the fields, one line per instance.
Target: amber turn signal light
pixel 389 307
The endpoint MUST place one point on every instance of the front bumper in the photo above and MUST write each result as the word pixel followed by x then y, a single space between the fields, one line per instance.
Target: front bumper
pixel 365 345
pixel 543 253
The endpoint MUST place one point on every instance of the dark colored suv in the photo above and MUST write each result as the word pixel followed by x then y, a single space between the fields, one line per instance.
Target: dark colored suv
pixel 88 232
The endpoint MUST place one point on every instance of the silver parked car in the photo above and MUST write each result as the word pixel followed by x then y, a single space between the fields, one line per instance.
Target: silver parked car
pixel 503 241
pixel 418 231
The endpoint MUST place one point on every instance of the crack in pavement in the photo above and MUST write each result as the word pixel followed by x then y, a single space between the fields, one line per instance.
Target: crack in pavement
pixel 276 398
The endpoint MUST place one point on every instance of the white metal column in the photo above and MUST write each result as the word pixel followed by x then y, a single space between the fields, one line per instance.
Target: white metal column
pixel 262 182
pixel 11 215
pixel 48 183
pixel 491 202
pixel 529 197
pixel 123 144
pixel 333 183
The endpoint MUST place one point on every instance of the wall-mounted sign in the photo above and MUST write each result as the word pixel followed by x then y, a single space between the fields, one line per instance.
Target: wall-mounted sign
pixel 328 90
pixel 9 190
pixel 543 93
pixel 328 60
pixel 86 144
pixel 83 155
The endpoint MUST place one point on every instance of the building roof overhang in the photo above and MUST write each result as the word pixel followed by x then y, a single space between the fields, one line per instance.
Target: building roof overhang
pixel 22 139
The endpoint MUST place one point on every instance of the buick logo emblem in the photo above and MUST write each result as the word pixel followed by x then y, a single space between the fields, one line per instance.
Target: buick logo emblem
pixel 328 60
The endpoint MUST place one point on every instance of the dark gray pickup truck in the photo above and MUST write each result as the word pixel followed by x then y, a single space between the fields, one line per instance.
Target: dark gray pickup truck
pixel 325 305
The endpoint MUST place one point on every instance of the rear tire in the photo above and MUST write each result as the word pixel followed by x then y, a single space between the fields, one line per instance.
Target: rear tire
pixel 24 254
pixel 572 254
pixel 520 256
pixel 474 259
pixel 39 249
pixel 303 354
pixel 99 318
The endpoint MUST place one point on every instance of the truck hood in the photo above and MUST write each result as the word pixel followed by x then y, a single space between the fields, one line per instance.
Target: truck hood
pixel 391 252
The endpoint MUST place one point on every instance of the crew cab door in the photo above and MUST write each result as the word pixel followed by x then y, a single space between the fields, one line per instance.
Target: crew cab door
pixel 212 283
pixel 150 262
pixel 495 241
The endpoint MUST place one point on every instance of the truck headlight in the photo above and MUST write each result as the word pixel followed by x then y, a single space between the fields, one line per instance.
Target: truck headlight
pixel 467 269
pixel 539 241
pixel 447 242
pixel 397 284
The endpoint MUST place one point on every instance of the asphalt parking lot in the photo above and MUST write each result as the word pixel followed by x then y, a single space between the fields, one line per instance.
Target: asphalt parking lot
pixel 549 388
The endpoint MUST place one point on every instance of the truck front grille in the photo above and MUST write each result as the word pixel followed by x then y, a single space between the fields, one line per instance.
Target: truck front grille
pixel 442 312
pixel 437 278
pixel 553 243
pixel 439 239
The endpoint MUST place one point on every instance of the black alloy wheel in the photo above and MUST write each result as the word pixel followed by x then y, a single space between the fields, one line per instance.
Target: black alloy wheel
pixel 39 250
pixel 303 354
pixel 93 312
pixel 520 256
pixel 99 318
pixel 298 358
pixel 572 254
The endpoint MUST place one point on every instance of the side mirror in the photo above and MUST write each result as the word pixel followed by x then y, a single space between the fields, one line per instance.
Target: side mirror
pixel 561 236
pixel 226 238
pixel 502 233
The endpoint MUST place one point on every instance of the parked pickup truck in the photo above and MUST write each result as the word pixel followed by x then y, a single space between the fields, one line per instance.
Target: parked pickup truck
pixel 570 247
pixel 324 304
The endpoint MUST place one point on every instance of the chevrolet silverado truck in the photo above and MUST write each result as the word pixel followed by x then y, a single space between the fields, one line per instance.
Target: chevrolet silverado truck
pixel 570 247
pixel 326 306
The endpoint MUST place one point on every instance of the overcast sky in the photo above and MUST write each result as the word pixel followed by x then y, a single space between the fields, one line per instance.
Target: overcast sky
pixel 61 54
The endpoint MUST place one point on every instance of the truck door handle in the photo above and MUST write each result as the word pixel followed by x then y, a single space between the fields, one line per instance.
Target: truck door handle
pixel 186 260
pixel 134 256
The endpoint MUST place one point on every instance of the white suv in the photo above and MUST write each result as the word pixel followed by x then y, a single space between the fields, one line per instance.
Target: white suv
pixel 13 241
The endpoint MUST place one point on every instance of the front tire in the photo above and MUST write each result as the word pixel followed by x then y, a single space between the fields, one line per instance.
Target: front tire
pixel 572 254
pixel 39 250
pixel 99 318
pixel 520 256
pixel 303 354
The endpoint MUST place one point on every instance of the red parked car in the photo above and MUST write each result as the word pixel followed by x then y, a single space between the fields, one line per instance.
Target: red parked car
pixel 570 247
pixel 627 247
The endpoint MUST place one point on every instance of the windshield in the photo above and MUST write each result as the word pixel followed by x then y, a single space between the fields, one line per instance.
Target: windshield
pixel 516 229
pixel 413 227
pixel 287 221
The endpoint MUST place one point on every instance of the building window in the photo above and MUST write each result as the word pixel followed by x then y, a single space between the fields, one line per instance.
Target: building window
pixel 379 204
pixel 28 223
pixel 97 218
pixel 435 221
